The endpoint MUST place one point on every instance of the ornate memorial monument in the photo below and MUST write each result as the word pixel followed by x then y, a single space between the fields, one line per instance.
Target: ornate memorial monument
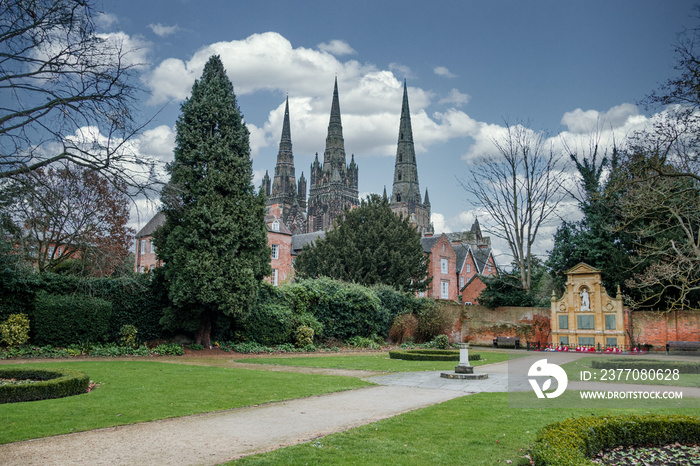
pixel 585 315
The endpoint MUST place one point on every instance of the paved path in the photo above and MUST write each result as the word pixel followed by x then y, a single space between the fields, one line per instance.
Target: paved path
pixel 219 437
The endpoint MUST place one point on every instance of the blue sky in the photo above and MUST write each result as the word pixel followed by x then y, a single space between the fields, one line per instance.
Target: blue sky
pixel 559 66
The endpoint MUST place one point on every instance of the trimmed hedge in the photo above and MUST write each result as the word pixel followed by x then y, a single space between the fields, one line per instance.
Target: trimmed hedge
pixel 574 441
pixel 684 367
pixel 53 384
pixel 61 320
pixel 430 355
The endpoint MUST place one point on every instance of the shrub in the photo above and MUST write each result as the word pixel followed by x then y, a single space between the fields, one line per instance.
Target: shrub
pixel 362 342
pixel 431 322
pixel 51 384
pixel 574 441
pixel 430 355
pixel 60 320
pixel 684 367
pixel 441 341
pixel 15 330
pixel 304 336
pixel 404 328
pixel 128 334
pixel 196 347
pixel 172 349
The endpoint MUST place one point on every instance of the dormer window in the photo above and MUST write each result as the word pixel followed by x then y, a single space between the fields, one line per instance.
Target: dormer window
pixel 276 225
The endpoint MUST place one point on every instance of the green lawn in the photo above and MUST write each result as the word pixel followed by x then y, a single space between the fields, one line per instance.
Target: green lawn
pixel 374 362
pixel 477 429
pixel 573 371
pixel 138 391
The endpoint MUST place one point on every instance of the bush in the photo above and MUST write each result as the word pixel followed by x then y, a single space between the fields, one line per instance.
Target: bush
pixel 171 349
pixel 430 355
pixel 128 334
pixel 304 336
pixel 574 441
pixel 362 342
pixel 431 321
pixel 441 341
pixel 60 320
pixel 404 328
pixel 196 347
pixel 51 384
pixel 683 367
pixel 15 330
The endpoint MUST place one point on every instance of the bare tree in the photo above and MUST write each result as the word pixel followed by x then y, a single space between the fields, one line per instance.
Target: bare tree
pixel 520 187
pixel 66 92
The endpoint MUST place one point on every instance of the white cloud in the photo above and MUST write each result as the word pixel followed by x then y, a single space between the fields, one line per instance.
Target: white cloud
pixel 402 70
pixel 134 50
pixel 444 72
pixel 337 48
pixel 162 30
pixel 105 20
pixel 456 98
pixel 587 121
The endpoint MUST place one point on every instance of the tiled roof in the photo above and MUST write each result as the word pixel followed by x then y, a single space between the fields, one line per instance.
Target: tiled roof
pixel 152 225
pixel 299 241
pixel 428 242
pixel 461 251
pixel 481 256
pixel 269 219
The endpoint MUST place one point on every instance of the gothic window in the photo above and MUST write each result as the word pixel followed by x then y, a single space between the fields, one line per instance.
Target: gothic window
pixel 399 176
pixel 400 157
pixel 398 198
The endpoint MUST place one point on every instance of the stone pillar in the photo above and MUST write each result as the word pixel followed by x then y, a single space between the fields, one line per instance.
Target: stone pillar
pixel 464 367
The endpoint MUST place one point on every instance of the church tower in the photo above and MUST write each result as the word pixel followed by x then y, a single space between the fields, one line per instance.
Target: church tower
pixel 285 200
pixel 333 184
pixel 405 195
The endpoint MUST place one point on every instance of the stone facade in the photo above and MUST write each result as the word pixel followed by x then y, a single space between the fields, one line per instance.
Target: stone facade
pixel 586 315
pixel 405 195
pixel 332 184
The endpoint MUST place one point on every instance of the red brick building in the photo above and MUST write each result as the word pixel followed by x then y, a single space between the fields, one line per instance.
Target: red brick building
pixel 144 249
pixel 279 239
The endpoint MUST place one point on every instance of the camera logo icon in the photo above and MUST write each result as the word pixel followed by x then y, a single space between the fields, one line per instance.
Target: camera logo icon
pixel 542 368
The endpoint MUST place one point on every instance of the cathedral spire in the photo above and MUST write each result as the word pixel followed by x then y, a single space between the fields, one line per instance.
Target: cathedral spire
pixel 284 186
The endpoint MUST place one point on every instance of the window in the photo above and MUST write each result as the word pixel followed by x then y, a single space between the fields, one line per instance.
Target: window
pixel 444 248
pixel 564 341
pixel 586 341
pixel 51 251
pixel 469 268
pixel 275 274
pixel 276 226
pixel 153 247
pixel 611 341
pixel 399 176
pixel 610 322
pixel 398 198
pixel 143 246
pixel 563 322
pixel 585 322
pixel 444 290
pixel 59 250
pixel 421 294
pixel 461 282
pixel 275 251
pixel 443 266
pixel 489 267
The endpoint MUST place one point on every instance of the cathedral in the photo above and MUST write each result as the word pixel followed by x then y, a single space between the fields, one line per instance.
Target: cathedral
pixel 333 183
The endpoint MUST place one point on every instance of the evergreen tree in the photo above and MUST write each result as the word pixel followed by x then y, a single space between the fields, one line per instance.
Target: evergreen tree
pixel 214 240
pixel 370 245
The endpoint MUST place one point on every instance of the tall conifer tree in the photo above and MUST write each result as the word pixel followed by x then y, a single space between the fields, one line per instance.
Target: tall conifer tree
pixel 214 240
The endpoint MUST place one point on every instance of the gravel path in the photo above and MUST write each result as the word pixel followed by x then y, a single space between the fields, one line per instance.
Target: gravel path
pixel 219 437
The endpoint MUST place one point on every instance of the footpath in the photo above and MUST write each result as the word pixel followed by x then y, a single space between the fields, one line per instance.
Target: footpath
pixel 215 438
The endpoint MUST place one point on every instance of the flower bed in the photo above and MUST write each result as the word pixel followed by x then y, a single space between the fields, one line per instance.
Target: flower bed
pixel 43 384
pixel 575 441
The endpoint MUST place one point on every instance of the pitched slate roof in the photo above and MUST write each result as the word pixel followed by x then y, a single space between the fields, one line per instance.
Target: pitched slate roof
pixel 299 241
pixel 269 219
pixel 153 224
pixel 428 242
pixel 481 257
pixel 461 251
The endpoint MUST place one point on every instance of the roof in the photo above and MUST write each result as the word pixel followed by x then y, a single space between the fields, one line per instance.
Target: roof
pixel 153 224
pixel 269 219
pixel 428 242
pixel 299 241
pixel 481 257
pixel 461 251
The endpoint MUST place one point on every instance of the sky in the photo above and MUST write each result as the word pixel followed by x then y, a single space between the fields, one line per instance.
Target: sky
pixel 563 68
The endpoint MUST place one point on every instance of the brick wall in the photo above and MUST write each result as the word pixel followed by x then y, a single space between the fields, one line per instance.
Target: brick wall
pixel 283 263
pixel 442 249
pixel 480 325
pixel 656 328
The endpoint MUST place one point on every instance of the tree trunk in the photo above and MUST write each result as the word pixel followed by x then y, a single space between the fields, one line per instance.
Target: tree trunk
pixel 203 334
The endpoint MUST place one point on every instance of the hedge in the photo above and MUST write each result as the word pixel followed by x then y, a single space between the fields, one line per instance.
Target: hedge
pixel 61 320
pixel 430 355
pixel 52 384
pixel 684 367
pixel 574 441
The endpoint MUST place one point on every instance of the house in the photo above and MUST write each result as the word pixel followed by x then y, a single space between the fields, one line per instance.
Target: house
pixel 442 268
pixel 144 249
pixel 279 239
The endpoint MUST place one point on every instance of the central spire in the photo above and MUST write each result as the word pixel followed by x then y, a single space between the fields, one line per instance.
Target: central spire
pixel 334 155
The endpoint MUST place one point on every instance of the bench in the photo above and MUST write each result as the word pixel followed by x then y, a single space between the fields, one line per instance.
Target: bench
pixel 506 342
pixel 682 345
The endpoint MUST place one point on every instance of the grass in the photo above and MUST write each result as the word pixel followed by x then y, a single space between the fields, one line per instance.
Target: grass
pixel 573 371
pixel 375 362
pixel 138 391
pixel 475 430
